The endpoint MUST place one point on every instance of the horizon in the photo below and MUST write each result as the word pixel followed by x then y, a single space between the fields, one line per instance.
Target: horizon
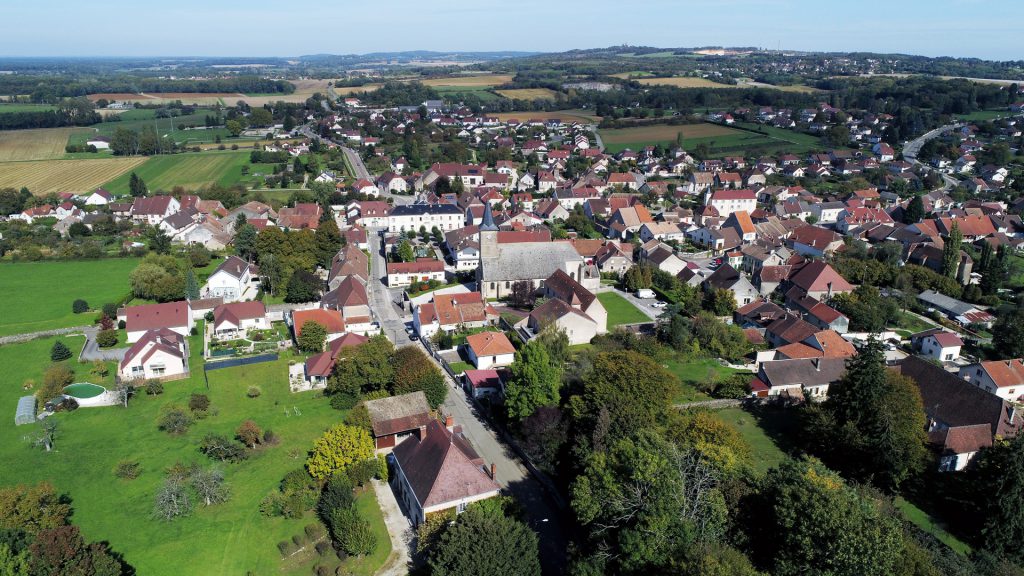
pixel 789 25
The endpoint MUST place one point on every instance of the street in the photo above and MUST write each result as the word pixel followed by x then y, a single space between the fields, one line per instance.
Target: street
pixel 382 301
pixel 913 148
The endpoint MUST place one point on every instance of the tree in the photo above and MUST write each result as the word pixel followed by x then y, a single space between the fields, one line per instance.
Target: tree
pixel 534 381
pixel 173 500
pixel 995 497
pixel 873 423
pixel 32 508
pixel 637 278
pixel 79 306
pixel 123 390
pixel 62 550
pixel 521 295
pixel 234 127
pixel 303 286
pixel 174 420
pixel 312 337
pixel 59 352
pixel 1008 334
pixel 414 371
pixel 405 252
pixel 337 494
pixel 368 369
pixel 720 301
pixel 801 501
pixel 210 486
pixel 951 252
pixel 502 545
pixel 352 533
pixel 260 117
pixel 160 242
pixel 55 379
pixel 245 241
pixel 158 277
pixel 191 286
pixel 338 448
pixel 137 186
pixel 220 448
pixel 249 433
pixel 11 563
pixel 328 242
pixel 271 274
pixel 47 433
pixel 915 210
pixel 106 338
pixel 866 308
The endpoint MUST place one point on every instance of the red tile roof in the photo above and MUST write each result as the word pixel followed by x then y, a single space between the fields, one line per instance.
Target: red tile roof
pixel 156 316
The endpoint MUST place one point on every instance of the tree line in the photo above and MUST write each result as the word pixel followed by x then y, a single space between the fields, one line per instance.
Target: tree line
pixel 72 112
pixel 51 89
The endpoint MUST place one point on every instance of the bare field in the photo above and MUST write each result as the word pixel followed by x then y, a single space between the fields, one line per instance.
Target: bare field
pixel 529 94
pixel 563 115
pixel 683 82
pixel 467 81
pixel 38 144
pixel 43 177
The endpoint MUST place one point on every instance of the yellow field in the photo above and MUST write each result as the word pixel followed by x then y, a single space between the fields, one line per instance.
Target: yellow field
pixel 43 177
pixel 467 81
pixel 563 115
pixel 662 132
pixel 38 144
pixel 352 90
pixel 683 82
pixel 529 94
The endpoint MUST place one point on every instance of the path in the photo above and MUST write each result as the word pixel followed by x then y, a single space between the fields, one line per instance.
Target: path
pixel 399 529
pixel 15 338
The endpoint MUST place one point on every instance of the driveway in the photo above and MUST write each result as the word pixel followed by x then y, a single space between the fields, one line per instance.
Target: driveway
pixel 399 529
pixel 91 351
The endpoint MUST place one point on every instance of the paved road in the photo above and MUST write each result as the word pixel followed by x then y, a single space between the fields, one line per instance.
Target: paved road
pixel 399 528
pixel 913 148
pixel 390 316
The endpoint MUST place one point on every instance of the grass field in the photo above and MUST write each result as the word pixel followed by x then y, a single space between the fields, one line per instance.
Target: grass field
pixel 303 90
pixel 230 538
pixel 355 90
pixel 191 171
pixel 529 94
pixel 618 139
pixel 37 144
pixel 620 311
pixel 765 430
pixel 632 74
pixel 692 372
pixel 44 176
pixel 983 115
pixel 139 119
pixel 584 116
pixel 683 82
pixel 24 107
pixel 486 80
pixel 38 295
pixel 925 522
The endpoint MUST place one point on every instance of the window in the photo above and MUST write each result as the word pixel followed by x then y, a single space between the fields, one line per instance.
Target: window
pixel 137 370
pixel 157 369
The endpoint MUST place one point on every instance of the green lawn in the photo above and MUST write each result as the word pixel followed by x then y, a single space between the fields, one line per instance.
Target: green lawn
pixel 139 119
pixel 231 538
pixel 925 522
pixel 24 107
pixel 620 311
pixel 191 171
pixel 460 367
pixel 691 372
pixel 983 115
pixel 912 323
pixel 38 295
pixel 766 431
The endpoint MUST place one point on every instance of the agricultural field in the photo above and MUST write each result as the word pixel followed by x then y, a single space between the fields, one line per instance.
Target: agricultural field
pixel 303 90
pixel 38 295
pixel 800 88
pixel 190 171
pixel 24 107
pixel 617 139
pixel 983 115
pixel 480 80
pixel 632 74
pixel 343 91
pixel 228 538
pixel 45 176
pixel 35 144
pixel 139 119
pixel 529 94
pixel 584 116
pixel 683 82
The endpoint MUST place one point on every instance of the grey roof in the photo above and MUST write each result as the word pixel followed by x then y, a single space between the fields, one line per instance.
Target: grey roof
pixel 488 224
pixel 804 371
pixel 528 261
pixel 396 414
pixel 945 302
pixel 421 209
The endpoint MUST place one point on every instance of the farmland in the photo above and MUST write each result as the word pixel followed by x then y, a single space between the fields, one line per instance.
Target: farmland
pixel 683 82
pixel 229 538
pixel 190 171
pixel 351 90
pixel 620 138
pixel 36 144
pixel 720 140
pixel 485 80
pixel 38 295
pixel 139 119
pixel 529 94
pixel 20 107
pixel 584 116
pixel 45 176
pixel 303 90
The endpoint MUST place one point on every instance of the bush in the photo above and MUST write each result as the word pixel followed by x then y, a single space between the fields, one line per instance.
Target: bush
pixel 199 403
pixel 362 472
pixel 106 338
pixel 253 392
pixel 59 352
pixel 79 306
pixel 322 548
pixel 314 531
pixel 54 380
pixel 121 324
pixel 272 504
pixel 154 387
pixel 110 310
pixel 128 470
pixel 175 420
pixel 352 533
pixel 270 438
pixel 337 494
pixel 286 547
pixel 300 540
pixel 382 468
pixel 221 448
pixel 209 316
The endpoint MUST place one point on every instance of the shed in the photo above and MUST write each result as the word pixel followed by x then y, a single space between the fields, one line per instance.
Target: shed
pixel 26 413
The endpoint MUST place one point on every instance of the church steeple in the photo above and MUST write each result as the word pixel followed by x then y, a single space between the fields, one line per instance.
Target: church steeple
pixel 488 235
pixel 488 224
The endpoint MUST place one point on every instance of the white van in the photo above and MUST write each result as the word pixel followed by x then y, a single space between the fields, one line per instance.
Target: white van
pixel 645 293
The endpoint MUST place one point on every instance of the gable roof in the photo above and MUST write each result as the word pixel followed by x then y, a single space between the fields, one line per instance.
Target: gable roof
pixel 442 467
pixel 235 312
pixel 161 339
pixel 155 316
pixel 819 276
pixel 568 290
pixel 322 364
pixel 396 414
pixel 329 319
pixel 490 344
pixel 233 266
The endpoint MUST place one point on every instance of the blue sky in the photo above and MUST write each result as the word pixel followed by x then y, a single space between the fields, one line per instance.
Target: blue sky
pixel 982 28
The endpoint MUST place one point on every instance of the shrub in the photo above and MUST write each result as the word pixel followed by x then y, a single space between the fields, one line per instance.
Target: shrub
pixel 181 472
pixel 199 402
pixel 299 539
pixel 286 547
pixel 128 470
pixel 272 504
pixel 314 531
pixel 175 420
pixel 100 369
pixel 106 338
pixel 209 316
pixel 220 448
pixel 120 324
pixel 352 533
pixel 253 392
pixel 337 494
pixel 297 480
pixel 362 472
pixel 382 468
pixel 59 352
pixel 322 548
pixel 154 387
pixel 249 433
pixel 270 438
pixel 54 380
pixel 110 310
pixel 79 306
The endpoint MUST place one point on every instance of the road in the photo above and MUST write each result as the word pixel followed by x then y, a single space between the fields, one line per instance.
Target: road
pixel 382 300
pixel 913 148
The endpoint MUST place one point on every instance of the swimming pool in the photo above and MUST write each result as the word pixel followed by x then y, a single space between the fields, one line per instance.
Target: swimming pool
pixel 83 390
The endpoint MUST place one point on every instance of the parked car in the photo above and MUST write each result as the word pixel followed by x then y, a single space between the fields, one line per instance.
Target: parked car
pixel 659 304
pixel 645 293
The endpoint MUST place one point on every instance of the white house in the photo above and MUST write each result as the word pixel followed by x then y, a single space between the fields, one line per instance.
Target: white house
pixel 160 353
pixel 99 142
pixel 1004 378
pixel 99 197
pixel 234 280
pixel 238 318
pixel 489 349
pixel 728 201
pixel 422 270
pixel 174 316
pixel 446 217
pixel 937 344
pixel 153 209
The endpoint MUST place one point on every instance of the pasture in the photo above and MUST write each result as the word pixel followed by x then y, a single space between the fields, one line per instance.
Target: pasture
pixel 45 176
pixel 529 94
pixel 630 75
pixel 303 90
pixel 615 140
pixel 683 82
pixel 229 538
pixel 6 107
pixel 479 80
pixel 343 91
pixel 35 144
pixel 190 171
pixel 38 295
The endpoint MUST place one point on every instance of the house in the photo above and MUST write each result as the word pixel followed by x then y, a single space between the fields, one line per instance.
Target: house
pixel 395 418
pixel 392 183
pixel 445 217
pixel 957 310
pixel 349 261
pixel 814 241
pixel 487 349
pixel 349 298
pixel 237 318
pixel 937 344
pixel 797 379
pixel 159 353
pixel 1004 378
pixel 661 231
pixel 439 470
pixel 408 273
pixel 451 312
pixel 153 209
pixel 820 280
pixel 788 329
pixel 958 413
pixel 728 278
pixel 98 142
pixel 99 197
pixel 234 280
pixel 570 307
pixel 174 316
pixel 662 257
pixel 627 221
pixel 332 321
pixel 725 202
pixel 302 215
pixel 319 367
pixel 480 384
pixel 365 187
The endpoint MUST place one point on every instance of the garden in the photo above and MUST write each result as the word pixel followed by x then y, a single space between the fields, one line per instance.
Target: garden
pixel 277 337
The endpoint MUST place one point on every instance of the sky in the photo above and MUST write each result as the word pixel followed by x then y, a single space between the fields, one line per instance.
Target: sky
pixel 990 29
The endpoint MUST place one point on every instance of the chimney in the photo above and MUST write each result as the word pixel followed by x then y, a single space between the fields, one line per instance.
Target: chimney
pixel 423 433
pixel 449 422
pixel 494 469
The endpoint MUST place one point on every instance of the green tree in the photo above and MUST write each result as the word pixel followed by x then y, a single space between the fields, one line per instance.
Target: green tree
pixel 368 369
pixel 951 252
pixel 534 381
pixel 160 242
pixel 328 242
pixel 59 352
pixel 867 310
pixel 260 117
pixel 191 286
pixel 915 210
pixel 1008 334
pixel 502 546
pixel 405 252
pixel 303 286
pixel 234 127
pixel 11 563
pixel 995 497
pixel 55 379
pixel 32 508
pixel 245 241
pixel 312 337
pixel 158 277
pixel 338 448
pixel 720 301
pixel 414 371
pixel 137 186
